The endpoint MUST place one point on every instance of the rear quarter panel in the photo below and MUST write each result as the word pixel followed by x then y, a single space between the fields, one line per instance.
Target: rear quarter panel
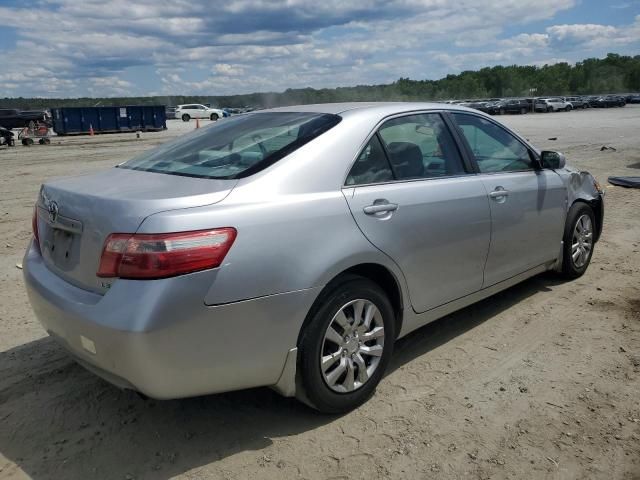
pixel 295 230
pixel 289 243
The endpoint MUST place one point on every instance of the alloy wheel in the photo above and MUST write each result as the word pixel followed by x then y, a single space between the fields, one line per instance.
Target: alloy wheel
pixel 352 346
pixel 582 241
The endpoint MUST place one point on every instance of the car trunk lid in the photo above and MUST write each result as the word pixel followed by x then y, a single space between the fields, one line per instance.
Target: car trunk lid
pixel 75 215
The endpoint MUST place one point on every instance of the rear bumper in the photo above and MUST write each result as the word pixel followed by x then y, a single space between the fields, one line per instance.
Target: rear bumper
pixel 158 337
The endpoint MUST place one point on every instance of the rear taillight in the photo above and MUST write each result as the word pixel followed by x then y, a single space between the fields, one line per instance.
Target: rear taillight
pixel 149 256
pixel 34 226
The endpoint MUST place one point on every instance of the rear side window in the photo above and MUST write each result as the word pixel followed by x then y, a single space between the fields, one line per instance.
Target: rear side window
pixel 421 146
pixel 235 147
pixel 371 166
pixel 495 149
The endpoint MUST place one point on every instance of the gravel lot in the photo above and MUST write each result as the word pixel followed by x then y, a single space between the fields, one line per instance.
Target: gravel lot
pixel 539 381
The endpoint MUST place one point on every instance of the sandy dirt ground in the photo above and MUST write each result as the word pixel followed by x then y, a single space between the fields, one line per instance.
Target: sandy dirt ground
pixel 539 381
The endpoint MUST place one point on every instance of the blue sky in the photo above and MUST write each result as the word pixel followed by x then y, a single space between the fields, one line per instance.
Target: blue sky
pixel 77 48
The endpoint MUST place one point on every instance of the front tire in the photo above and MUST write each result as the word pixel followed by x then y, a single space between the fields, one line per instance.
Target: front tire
pixel 346 345
pixel 214 117
pixel 579 236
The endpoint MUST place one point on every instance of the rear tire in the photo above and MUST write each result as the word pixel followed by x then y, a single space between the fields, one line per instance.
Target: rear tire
pixel 523 111
pixel 343 385
pixel 186 117
pixel 578 240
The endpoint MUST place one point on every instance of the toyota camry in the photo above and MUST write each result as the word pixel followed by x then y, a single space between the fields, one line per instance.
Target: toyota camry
pixel 292 247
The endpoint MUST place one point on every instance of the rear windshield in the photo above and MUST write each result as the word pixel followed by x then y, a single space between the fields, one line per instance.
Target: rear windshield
pixel 235 147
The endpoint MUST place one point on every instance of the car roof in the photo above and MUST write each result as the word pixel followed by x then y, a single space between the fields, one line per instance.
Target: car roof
pixel 387 108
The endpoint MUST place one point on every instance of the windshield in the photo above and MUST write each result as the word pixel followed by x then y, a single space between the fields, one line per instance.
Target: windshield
pixel 235 147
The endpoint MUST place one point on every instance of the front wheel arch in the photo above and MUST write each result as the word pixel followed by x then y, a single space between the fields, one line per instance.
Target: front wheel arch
pixel 568 268
pixel 596 206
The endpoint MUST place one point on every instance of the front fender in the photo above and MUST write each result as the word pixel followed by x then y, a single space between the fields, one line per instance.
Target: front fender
pixel 583 187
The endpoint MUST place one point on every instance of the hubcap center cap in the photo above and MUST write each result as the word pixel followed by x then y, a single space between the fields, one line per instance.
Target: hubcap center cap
pixel 352 346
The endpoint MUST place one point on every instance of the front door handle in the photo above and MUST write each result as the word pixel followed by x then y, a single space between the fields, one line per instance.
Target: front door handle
pixel 380 208
pixel 499 193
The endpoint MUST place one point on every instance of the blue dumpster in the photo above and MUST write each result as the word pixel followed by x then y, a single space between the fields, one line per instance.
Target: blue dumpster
pixel 80 120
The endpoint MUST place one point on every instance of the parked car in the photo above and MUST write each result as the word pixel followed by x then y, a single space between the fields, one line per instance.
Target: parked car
pixel 553 104
pixel 607 101
pixel 187 112
pixel 274 249
pixel 13 118
pixel 594 101
pixel 493 107
pixel 477 104
pixel 615 100
pixel 501 107
pixel 6 137
pixel 518 105
pixel 633 98
pixel 577 102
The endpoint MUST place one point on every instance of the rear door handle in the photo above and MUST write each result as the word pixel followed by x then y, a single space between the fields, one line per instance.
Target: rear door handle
pixel 499 192
pixel 380 208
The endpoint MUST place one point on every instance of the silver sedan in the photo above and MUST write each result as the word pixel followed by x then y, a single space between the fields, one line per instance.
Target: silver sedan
pixel 291 247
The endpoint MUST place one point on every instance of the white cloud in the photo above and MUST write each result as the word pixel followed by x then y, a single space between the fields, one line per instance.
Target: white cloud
pixel 594 35
pixel 228 70
pixel 71 47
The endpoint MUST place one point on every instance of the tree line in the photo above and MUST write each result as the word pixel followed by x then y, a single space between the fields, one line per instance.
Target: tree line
pixel 612 74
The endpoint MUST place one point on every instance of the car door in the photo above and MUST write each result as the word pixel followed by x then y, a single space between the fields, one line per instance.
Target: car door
pixel 528 204
pixel 189 110
pixel 199 111
pixel 414 199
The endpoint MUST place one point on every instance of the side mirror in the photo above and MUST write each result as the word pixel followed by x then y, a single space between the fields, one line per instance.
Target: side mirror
pixel 552 160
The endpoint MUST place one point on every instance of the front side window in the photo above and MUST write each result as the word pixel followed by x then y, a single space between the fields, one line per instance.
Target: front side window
pixel 421 146
pixel 495 149
pixel 235 147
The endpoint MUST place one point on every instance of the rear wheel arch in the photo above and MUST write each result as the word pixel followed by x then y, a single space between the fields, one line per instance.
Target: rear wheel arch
pixel 378 274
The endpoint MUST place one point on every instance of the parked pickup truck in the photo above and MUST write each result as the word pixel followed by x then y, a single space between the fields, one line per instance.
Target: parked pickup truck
pixel 12 118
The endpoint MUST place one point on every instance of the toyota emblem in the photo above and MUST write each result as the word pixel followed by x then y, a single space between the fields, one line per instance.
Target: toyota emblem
pixel 52 208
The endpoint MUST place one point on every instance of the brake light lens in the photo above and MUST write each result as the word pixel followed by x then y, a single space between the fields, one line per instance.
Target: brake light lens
pixel 34 226
pixel 151 256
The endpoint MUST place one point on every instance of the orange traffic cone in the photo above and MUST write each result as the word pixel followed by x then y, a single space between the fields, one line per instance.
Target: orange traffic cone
pixel 197 123
pixel 91 134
